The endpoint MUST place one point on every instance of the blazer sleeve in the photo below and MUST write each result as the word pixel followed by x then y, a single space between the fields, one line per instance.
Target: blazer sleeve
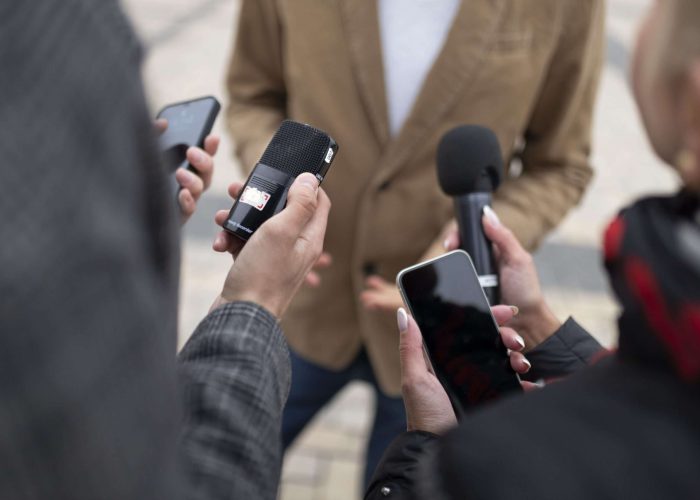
pixel 236 373
pixel 555 158
pixel 255 81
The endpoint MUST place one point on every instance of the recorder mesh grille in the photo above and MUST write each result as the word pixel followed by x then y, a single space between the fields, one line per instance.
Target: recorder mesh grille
pixel 296 148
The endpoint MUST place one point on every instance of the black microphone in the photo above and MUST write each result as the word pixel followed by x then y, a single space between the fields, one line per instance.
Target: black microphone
pixel 295 148
pixel 469 166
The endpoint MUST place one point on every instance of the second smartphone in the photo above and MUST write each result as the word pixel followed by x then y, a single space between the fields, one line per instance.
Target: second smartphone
pixel 460 334
pixel 189 123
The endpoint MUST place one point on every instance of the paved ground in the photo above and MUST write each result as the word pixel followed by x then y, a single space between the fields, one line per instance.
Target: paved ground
pixel 188 46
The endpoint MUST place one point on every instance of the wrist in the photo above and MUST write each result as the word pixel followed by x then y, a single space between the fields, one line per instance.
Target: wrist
pixel 537 324
pixel 228 296
pixel 218 302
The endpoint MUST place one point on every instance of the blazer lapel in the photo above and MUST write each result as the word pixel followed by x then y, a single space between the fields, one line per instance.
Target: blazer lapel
pixel 361 21
pixel 465 49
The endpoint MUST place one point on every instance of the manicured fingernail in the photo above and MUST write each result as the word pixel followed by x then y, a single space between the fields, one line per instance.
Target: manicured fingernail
pixel 520 341
pixel 446 244
pixel 491 216
pixel 402 319
pixel 527 364
pixel 515 310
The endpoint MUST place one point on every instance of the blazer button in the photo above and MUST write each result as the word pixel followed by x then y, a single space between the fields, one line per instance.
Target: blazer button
pixel 369 268
pixel 384 185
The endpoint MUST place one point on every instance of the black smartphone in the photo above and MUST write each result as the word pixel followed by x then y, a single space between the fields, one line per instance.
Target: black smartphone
pixel 460 335
pixel 189 123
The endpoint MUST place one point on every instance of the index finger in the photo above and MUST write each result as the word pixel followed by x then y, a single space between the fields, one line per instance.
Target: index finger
pixel 508 246
pixel 203 163
pixel 211 144
pixel 503 314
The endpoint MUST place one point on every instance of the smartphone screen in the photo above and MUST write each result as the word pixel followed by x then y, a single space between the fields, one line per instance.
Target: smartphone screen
pixel 459 333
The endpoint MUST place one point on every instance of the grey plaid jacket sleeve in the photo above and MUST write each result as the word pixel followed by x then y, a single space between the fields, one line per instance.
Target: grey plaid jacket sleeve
pixel 236 374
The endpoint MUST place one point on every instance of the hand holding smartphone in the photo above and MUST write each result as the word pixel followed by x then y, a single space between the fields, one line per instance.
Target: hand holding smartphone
pixel 189 123
pixel 460 335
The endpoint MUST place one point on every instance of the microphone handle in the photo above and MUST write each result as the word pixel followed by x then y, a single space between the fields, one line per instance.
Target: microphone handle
pixel 469 209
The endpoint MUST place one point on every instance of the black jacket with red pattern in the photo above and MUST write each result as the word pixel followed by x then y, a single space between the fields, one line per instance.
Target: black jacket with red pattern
pixel 627 427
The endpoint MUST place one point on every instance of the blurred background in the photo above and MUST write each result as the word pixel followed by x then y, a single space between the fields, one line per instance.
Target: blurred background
pixel 188 44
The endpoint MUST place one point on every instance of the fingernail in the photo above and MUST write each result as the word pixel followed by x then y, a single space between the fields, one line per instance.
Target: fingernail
pixel 515 310
pixel 527 363
pixel 491 216
pixel 196 155
pixel 446 244
pixel 402 319
pixel 309 180
pixel 520 341
pixel 219 241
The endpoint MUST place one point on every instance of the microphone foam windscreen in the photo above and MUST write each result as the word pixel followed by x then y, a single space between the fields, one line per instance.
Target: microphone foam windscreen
pixel 469 160
pixel 297 148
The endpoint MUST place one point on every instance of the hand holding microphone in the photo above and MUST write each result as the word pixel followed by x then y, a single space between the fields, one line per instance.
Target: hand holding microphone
pixel 295 148
pixel 469 169
pixel 519 284
pixel 271 266
pixel 469 166
pixel 276 227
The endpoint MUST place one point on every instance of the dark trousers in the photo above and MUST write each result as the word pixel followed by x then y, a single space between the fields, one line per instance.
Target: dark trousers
pixel 313 386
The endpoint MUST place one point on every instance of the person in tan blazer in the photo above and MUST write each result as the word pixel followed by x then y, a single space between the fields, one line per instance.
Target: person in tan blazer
pixel 527 69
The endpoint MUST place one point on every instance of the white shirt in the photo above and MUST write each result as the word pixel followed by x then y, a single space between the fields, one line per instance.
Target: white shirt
pixel 413 33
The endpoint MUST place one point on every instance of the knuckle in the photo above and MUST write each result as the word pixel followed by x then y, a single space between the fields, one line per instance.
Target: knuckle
pixel 279 231
pixel 522 258
pixel 269 230
pixel 409 384
pixel 414 384
pixel 306 202
pixel 310 200
pixel 316 250
pixel 409 350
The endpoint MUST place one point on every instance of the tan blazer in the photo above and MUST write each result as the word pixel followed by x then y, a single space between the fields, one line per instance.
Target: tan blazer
pixel 526 68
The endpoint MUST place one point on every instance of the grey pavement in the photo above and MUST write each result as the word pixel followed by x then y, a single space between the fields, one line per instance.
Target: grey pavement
pixel 189 44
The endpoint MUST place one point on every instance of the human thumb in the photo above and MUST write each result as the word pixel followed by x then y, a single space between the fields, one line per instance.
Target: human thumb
pixel 410 348
pixel 302 201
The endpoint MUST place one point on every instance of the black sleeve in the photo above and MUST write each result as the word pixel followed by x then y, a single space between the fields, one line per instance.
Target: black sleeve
pixel 567 351
pixel 410 466
pixel 397 474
